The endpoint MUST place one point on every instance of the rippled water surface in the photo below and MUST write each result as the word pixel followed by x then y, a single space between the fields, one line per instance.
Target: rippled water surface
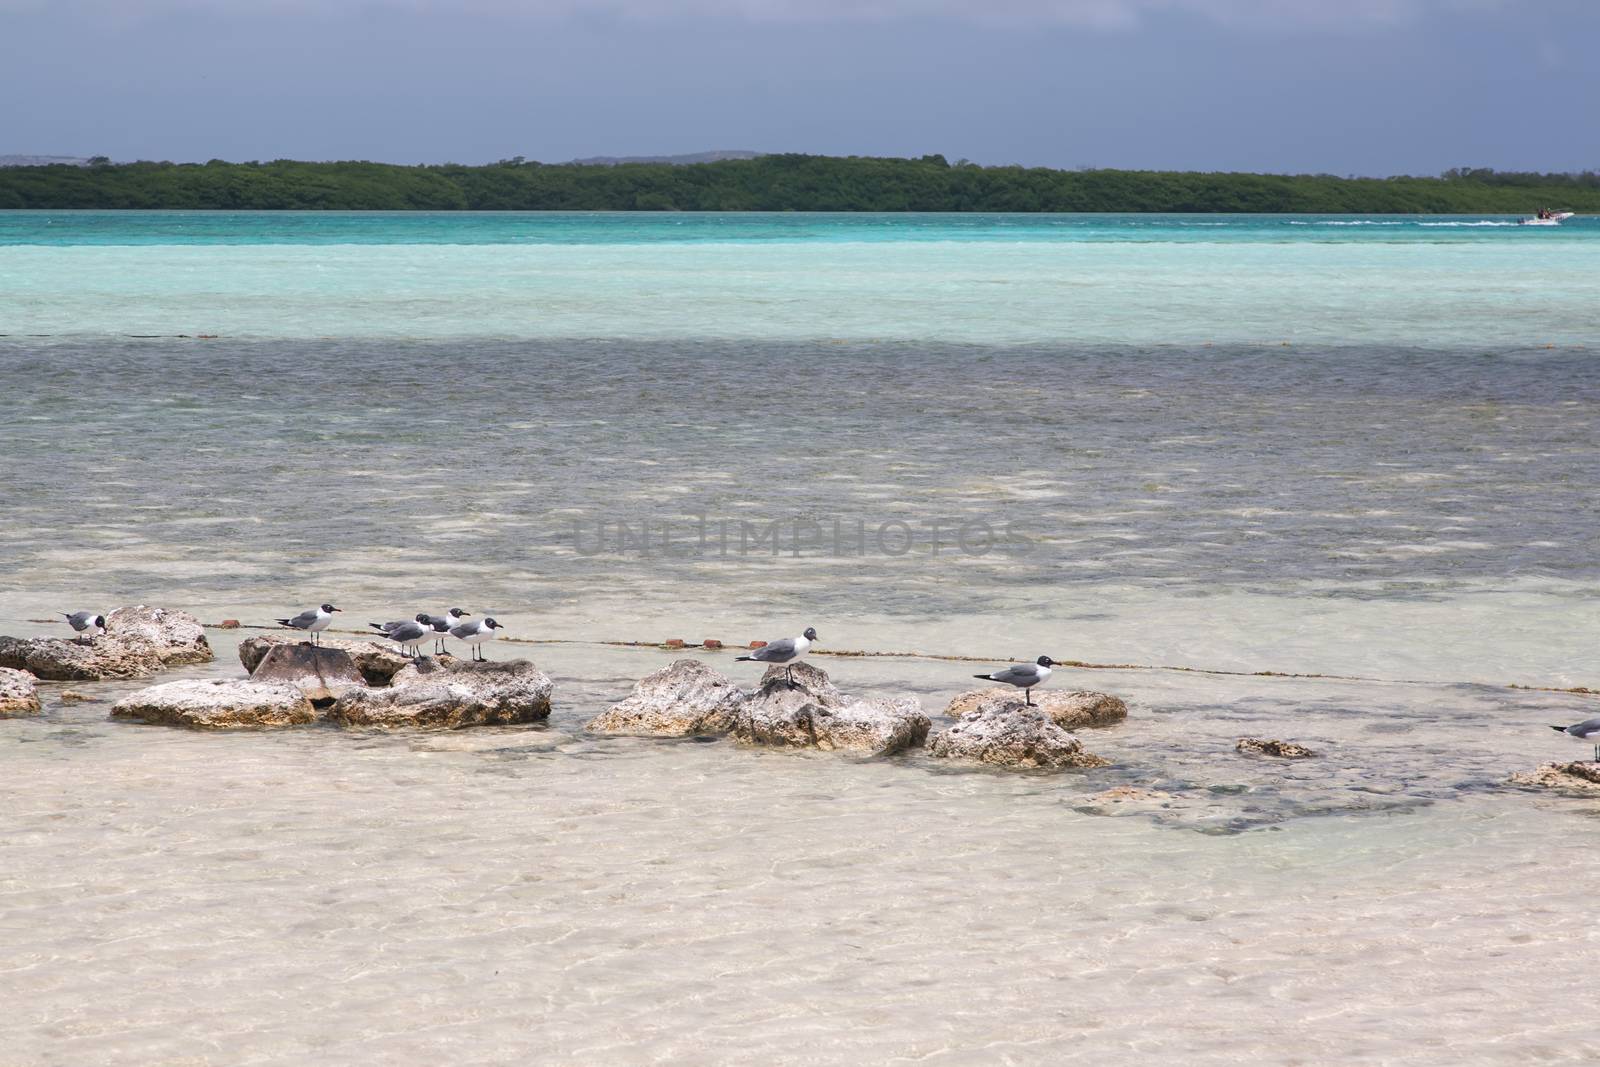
pixel 986 436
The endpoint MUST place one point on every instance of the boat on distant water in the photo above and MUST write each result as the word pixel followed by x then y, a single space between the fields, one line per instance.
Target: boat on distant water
pixel 1546 218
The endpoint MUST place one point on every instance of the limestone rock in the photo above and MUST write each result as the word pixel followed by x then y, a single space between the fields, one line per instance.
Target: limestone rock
pixel 1016 737
pixel 817 715
pixel 138 642
pixel 378 663
pixel 18 694
pixel 217 705
pixel 1069 709
pixel 811 685
pixel 1581 778
pixel 177 637
pixel 875 727
pixel 72 696
pixel 682 699
pixel 1258 746
pixel 56 660
pixel 322 674
pixel 451 693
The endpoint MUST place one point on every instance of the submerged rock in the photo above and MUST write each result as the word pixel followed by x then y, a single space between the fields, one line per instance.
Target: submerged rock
pixel 814 714
pixel 1068 709
pixel 322 674
pixel 1580 778
pixel 1012 737
pixel 378 663
pixel 683 699
pixel 138 642
pixel 217 705
pixel 451 693
pixel 19 695
pixel 1258 746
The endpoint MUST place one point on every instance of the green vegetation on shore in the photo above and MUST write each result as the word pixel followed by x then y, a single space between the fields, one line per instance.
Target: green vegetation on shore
pixel 770 183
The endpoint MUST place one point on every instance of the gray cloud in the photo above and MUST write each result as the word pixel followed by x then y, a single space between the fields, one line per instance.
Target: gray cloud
pixel 1104 14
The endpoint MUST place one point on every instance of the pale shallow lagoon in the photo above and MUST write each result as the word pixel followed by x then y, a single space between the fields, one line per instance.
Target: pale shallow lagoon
pixel 408 412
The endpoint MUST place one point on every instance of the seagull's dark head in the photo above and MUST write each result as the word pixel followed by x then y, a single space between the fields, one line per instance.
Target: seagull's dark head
pixel 457 613
pixel 1046 661
pixel 100 621
pixel 424 618
pixel 490 624
pixel 328 609
pixel 810 634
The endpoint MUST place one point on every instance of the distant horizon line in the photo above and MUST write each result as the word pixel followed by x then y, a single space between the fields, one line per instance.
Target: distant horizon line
pixel 28 159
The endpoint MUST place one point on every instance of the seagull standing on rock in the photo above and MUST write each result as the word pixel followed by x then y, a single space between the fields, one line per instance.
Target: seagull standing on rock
pixel 86 622
pixel 786 650
pixel 1022 675
pixel 475 634
pixel 450 620
pixel 406 632
pixel 1587 730
pixel 313 621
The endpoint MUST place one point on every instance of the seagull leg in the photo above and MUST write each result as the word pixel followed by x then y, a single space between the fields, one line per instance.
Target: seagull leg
pixel 1027 697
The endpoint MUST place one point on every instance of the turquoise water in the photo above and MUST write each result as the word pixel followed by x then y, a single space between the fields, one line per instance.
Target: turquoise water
pixel 57 228
pixel 1137 279
pixel 1302 445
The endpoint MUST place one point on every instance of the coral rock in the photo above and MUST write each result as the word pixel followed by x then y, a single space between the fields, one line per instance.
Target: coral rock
pixel 1069 709
pixel 1018 737
pixel 217 705
pixel 18 694
pixel 683 699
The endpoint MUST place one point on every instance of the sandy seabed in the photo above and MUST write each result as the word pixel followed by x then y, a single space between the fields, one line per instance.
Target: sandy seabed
pixel 539 895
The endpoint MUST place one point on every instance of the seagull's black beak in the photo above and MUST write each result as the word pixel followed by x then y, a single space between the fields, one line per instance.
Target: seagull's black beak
pixel 338 609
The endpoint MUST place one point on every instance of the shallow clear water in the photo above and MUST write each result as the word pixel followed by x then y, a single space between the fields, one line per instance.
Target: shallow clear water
pixel 982 279
pixel 990 436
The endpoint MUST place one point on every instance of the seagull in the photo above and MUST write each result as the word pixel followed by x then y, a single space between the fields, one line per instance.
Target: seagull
pixel 785 650
pixel 86 622
pixel 475 634
pixel 440 626
pixel 1587 730
pixel 451 619
pixel 406 631
pixel 312 620
pixel 1023 675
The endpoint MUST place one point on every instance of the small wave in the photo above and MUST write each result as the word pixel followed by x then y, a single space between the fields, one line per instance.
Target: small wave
pixel 1397 222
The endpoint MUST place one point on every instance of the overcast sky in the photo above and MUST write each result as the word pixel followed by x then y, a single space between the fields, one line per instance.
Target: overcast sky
pixel 1340 86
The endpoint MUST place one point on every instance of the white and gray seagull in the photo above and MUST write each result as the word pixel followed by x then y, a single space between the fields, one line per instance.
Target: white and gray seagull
pixel 450 620
pixel 1022 675
pixel 1587 730
pixel 313 621
pixel 785 650
pixel 406 631
pixel 476 633
pixel 86 623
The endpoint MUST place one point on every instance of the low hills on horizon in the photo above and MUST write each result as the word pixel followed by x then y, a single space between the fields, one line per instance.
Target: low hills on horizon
pixel 750 181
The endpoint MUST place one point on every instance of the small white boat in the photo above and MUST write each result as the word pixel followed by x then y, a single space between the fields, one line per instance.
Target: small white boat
pixel 1555 218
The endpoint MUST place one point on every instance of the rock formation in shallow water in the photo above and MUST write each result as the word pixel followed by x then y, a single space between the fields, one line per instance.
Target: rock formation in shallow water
pixel 451 693
pixel 684 699
pixel 1012 737
pixel 1069 709
pixel 378 663
pixel 322 674
pixel 814 714
pixel 1580 778
pixel 1259 746
pixel 202 704
pixel 138 642
pixel 18 694
pixel 177 637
